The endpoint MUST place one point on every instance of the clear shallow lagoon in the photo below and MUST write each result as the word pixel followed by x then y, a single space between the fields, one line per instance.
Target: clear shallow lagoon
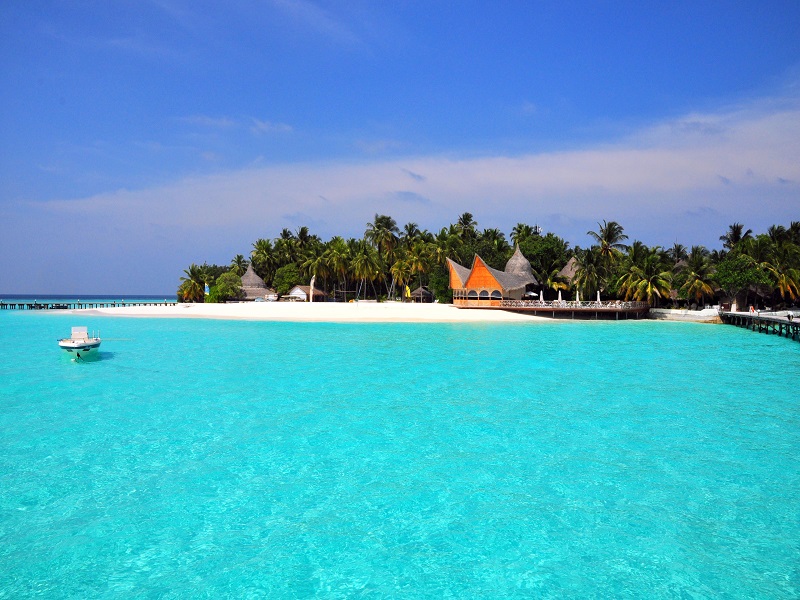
pixel 243 459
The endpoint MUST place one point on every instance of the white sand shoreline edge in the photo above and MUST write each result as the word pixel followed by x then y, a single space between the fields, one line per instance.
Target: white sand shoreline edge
pixel 330 312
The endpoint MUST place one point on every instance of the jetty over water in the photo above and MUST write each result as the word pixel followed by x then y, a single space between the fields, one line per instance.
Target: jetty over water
pixel 562 309
pixel 70 305
pixel 764 323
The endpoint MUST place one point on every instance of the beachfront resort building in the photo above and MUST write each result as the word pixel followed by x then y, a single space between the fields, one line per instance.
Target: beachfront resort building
pixel 482 285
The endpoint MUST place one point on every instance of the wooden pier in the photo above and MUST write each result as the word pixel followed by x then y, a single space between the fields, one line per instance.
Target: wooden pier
pixel 773 324
pixel 75 305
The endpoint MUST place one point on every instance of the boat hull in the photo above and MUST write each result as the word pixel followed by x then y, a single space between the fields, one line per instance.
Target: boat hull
pixel 83 348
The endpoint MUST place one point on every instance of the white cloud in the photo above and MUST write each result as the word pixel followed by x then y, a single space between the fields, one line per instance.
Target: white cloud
pixel 727 160
pixel 260 127
pixel 257 126
pixel 139 45
pixel 684 179
pixel 529 109
pixel 318 20
pixel 210 122
pixel 377 147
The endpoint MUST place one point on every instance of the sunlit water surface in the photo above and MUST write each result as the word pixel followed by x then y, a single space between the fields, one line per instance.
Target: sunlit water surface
pixel 239 459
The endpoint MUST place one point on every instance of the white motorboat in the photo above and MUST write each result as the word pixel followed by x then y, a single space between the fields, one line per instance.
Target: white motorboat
pixel 80 343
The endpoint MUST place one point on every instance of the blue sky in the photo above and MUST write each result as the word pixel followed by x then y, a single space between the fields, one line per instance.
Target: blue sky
pixel 139 137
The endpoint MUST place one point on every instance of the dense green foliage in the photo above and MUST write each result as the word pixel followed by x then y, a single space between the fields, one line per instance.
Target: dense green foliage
pixel 286 278
pixel 737 273
pixel 227 286
pixel 762 268
pixel 546 253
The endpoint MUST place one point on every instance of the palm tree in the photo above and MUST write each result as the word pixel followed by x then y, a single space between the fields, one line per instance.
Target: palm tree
pixel 365 264
pixel 447 245
pixel 467 226
pixel 264 260
pixel 735 235
pixel 677 253
pixel 410 234
pixel 699 275
pixel 304 238
pixel 649 281
pixel 383 234
pixel 402 272
pixel 794 232
pixel 286 249
pixel 698 256
pixel 554 282
pixel 315 264
pixel 521 232
pixel 239 264
pixel 717 255
pixel 782 266
pixel 496 239
pixel 589 273
pixel 337 256
pixel 609 238
pixel 758 248
pixel 778 233
pixel 760 251
pixel 420 257
pixel 192 288
pixel 426 236
pixel 636 254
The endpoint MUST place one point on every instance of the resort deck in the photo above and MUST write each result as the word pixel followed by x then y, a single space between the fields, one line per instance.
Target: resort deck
pixel 562 309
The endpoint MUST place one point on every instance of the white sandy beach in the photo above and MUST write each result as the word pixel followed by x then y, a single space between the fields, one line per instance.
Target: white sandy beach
pixel 332 312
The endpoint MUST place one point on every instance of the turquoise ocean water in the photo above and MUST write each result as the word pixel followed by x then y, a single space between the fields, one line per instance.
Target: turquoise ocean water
pixel 246 460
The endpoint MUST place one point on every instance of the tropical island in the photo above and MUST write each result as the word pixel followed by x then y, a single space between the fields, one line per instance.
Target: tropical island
pixel 387 262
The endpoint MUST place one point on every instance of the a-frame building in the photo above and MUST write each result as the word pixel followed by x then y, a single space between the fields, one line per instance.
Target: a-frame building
pixel 482 285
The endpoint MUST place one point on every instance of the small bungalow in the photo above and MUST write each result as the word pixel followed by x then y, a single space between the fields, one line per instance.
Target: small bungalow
pixel 482 285
pixel 302 293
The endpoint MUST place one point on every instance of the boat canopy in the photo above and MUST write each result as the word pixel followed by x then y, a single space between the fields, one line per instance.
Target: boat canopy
pixel 80 333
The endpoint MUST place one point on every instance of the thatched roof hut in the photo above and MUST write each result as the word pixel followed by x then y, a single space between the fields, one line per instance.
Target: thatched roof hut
pixel 422 294
pixel 520 267
pixel 569 270
pixel 252 285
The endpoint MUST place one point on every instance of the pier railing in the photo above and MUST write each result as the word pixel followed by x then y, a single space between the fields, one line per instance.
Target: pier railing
pixel 559 309
pixel 77 305
pixel 574 305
